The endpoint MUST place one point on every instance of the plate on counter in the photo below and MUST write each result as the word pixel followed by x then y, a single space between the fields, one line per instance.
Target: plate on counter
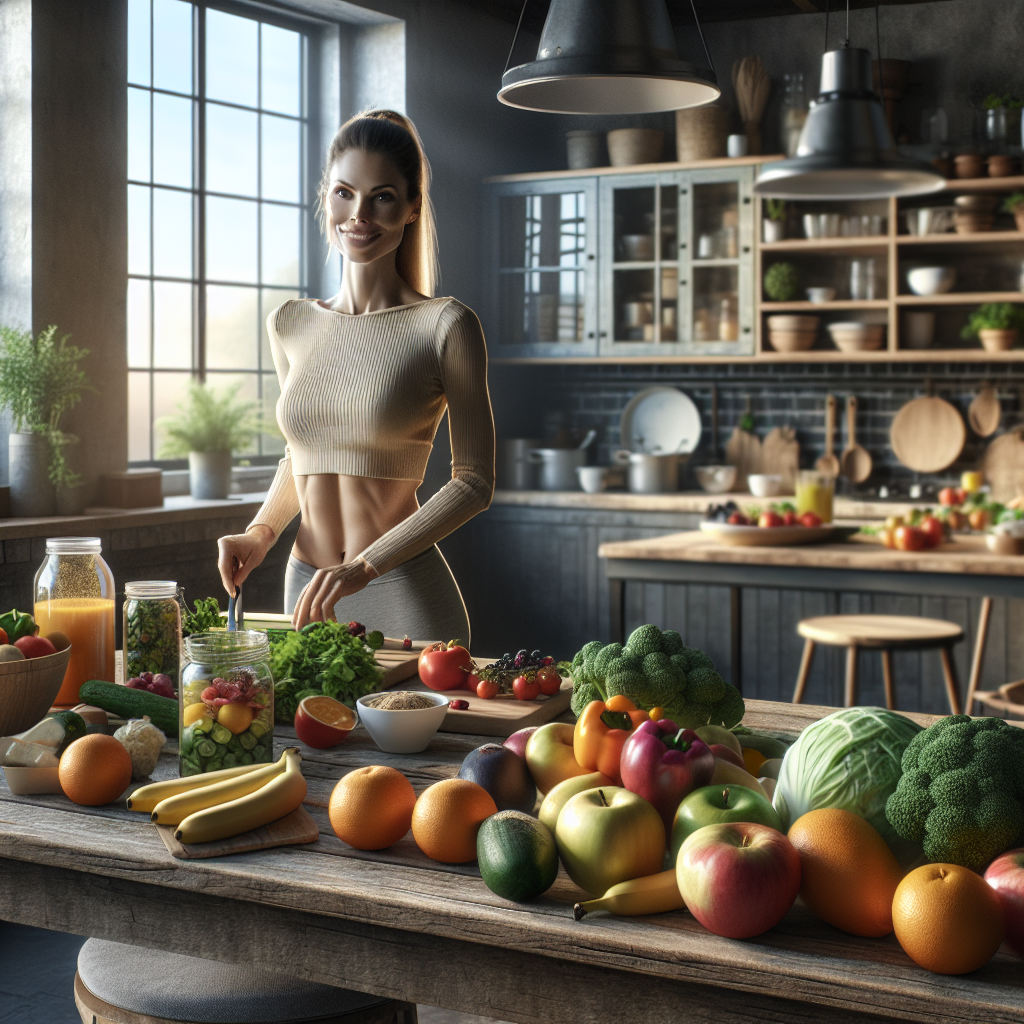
pixel 775 536
pixel 660 421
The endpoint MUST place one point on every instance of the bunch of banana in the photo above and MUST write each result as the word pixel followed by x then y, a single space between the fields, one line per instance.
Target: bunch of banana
pixel 652 894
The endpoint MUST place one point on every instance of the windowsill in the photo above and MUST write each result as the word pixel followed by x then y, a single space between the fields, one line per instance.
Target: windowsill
pixel 244 480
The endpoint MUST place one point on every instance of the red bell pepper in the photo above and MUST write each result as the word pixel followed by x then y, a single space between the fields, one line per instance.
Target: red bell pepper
pixel 601 731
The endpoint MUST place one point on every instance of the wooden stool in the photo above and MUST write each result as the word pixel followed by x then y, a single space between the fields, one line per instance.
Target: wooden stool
pixel 118 984
pixel 885 634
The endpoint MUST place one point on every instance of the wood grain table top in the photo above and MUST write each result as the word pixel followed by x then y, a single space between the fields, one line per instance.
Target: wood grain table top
pixel 397 924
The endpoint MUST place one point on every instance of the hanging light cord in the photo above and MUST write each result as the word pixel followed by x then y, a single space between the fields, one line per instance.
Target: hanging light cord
pixel 847 43
pixel 700 32
pixel 519 25
pixel 828 4
pixel 878 46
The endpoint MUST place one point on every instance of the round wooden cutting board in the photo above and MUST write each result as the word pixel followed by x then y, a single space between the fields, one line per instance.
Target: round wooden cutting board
pixel 928 434
pixel 1004 466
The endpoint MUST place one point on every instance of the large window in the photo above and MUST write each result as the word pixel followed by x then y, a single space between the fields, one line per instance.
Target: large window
pixel 218 203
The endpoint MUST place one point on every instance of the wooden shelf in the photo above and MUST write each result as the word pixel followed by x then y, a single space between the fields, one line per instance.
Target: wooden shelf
pixel 823 307
pixel 928 355
pixel 977 237
pixel 658 168
pixel 877 242
pixel 957 298
pixel 1010 184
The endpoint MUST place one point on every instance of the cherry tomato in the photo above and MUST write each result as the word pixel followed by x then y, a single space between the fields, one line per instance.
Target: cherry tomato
pixel 525 689
pixel 770 519
pixel 948 496
pixel 487 688
pixel 790 519
pixel 444 666
pixel 909 538
pixel 738 519
pixel 458 705
pixel 810 519
pixel 549 680
pixel 934 531
pixel 978 518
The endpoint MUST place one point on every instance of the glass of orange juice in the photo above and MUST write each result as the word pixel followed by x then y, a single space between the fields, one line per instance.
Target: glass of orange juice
pixel 74 594
pixel 814 492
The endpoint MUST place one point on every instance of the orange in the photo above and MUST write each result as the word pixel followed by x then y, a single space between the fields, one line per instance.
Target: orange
pixel 196 713
pixel 371 808
pixel 753 759
pixel 235 718
pixel 95 770
pixel 948 919
pixel 848 874
pixel 447 817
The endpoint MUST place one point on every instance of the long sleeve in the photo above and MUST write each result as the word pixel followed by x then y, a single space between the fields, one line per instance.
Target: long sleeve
pixel 462 360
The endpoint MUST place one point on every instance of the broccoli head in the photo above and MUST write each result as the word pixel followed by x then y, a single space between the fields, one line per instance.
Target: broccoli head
pixel 729 709
pixel 705 686
pixel 582 695
pixel 671 642
pixel 961 793
pixel 692 659
pixel 644 640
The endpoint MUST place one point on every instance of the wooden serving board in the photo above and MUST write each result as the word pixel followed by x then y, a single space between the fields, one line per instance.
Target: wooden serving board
pixel 292 829
pixel 1003 466
pixel 780 455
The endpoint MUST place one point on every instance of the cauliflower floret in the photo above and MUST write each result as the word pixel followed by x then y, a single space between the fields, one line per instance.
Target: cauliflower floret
pixel 143 741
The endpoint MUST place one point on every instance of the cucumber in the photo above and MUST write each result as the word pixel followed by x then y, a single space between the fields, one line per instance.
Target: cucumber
pixel 129 703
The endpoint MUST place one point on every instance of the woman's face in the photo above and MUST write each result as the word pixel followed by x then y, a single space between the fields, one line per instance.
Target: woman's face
pixel 368 206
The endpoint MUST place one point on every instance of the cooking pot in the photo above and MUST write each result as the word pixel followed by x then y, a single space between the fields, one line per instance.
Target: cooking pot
pixel 650 474
pixel 557 467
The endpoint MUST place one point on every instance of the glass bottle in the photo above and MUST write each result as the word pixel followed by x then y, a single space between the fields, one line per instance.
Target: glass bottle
pixel 225 702
pixel 74 594
pixel 794 112
pixel 152 629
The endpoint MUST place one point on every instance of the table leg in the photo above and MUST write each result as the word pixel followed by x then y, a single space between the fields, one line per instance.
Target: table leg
pixel 617 610
pixel 979 653
pixel 949 672
pixel 736 636
pixel 851 675
pixel 890 691
pixel 805 671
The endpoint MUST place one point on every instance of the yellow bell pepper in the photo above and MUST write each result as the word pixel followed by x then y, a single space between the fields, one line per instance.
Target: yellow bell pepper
pixel 602 730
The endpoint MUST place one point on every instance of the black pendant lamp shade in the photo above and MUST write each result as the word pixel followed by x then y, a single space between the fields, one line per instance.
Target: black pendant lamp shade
pixel 846 150
pixel 606 57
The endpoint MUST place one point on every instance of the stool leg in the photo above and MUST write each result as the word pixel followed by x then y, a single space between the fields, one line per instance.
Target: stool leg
pixel 805 671
pixel 979 653
pixel 952 688
pixel 851 675
pixel 890 693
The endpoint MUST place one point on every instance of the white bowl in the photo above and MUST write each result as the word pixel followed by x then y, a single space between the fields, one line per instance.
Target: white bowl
pixel 30 781
pixel 817 295
pixel 593 479
pixel 931 280
pixel 855 336
pixel 715 479
pixel 403 732
pixel 789 322
pixel 764 485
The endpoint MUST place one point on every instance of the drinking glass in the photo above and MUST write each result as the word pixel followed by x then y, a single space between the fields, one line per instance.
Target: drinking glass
pixel 862 279
pixel 814 493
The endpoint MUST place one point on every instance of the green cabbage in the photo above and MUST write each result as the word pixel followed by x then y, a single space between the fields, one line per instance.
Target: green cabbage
pixel 850 760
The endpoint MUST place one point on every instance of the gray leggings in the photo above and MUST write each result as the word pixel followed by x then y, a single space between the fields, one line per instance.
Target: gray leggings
pixel 419 599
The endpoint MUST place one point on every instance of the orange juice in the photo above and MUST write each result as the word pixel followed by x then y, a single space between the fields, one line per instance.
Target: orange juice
pixel 88 623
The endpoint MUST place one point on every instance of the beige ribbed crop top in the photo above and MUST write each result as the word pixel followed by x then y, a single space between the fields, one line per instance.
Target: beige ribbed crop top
pixel 363 396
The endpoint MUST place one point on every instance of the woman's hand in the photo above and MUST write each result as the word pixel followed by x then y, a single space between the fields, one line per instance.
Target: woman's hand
pixel 327 587
pixel 240 553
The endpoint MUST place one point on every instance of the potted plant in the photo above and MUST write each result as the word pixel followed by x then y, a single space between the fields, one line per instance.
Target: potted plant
pixel 40 380
pixel 775 220
pixel 781 282
pixel 1015 204
pixel 208 427
pixel 997 324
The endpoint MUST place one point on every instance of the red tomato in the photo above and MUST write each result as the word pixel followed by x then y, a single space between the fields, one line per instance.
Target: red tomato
pixel 35 646
pixel 549 680
pixel 933 530
pixel 738 519
pixel 525 689
pixel 810 519
pixel 445 666
pixel 947 497
pixel 769 519
pixel 790 519
pixel 909 538
pixel 3 636
pixel 487 688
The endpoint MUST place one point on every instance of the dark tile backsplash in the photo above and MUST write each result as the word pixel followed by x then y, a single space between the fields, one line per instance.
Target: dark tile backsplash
pixel 535 401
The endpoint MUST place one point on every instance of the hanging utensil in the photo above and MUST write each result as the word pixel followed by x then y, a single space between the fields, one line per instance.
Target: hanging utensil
pixel 751 85
pixel 856 461
pixel 714 424
pixel 828 463
pixel 928 434
pixel 985 412
pixel 588 440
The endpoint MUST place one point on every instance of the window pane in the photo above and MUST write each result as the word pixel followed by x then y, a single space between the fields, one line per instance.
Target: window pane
pixel 272 443
pixel 230 150
pixel 232 328
pixel 138 417
pixel 138 41
pixel 138 229
pixel 172 45
pixel 169 391
pixel 281 144
pixel 172 233
pixel 138 135
pixel 280 244
pixel 281 75
pixel 231 50
pixel 172 325
pixel 247 384
pixel 231 240
pixel 172 140
pixel 138 323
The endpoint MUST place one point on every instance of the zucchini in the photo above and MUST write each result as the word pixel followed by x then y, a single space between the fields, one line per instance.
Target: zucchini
pixel 74 728
pixel 129 703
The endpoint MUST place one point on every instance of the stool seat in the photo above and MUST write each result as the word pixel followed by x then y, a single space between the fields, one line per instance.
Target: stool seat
pixel 155 985
pixel 885 632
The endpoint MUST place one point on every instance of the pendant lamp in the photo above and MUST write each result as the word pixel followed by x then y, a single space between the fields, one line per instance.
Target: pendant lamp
pixel 607 57
pixel 846 150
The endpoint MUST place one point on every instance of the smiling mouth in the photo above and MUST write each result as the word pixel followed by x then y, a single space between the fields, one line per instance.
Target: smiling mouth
pixel 360 236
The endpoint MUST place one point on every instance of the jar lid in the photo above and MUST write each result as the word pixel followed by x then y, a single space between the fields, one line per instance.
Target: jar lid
pixel 73 545
pixel 151 589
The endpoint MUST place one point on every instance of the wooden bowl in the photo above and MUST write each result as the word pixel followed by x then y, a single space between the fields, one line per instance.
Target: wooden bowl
pixel 785 322
pixel 792 341
pixel 28 689
pixel 857 337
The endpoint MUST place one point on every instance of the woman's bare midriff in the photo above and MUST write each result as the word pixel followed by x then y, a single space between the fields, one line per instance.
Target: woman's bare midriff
pixel 343 515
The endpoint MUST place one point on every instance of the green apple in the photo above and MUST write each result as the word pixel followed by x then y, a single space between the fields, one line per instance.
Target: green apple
pixel 719 805
pixel 550 758
pixel 727 774
pixel 559 796
pixel 609 835
pixel 718 734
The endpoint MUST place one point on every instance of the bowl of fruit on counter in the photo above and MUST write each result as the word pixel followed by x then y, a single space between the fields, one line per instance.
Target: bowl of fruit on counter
pixel 775 525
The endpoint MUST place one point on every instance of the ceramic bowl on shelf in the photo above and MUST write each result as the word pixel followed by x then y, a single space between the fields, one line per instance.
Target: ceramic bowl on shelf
pixel 715 479
pixel 929 220
pixel 793 322
pixel 792 341
pixel 819 295
pixel 593 479
pixel 637 248
pixel 405 731
pixel 857 337
pixel 931 280
pixel 976 203
pixel 765 485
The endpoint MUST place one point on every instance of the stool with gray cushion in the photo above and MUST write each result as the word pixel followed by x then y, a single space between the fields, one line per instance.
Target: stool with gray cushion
pixel 118 984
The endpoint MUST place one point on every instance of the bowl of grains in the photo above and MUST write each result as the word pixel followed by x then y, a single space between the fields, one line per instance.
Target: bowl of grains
pixel 402 721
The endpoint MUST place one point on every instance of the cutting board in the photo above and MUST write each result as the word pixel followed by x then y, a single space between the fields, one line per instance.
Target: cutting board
pixel 928 434
pixel 780 455
pixel 1003 466
pixel 743 450
pixel 292 829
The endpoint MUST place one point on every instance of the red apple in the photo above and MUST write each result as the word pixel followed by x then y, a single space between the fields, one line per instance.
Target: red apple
pixel 1006 875
pixel 738 879
pixel 550 757
pixel 518 740
pixel 35 646
pixel 727 754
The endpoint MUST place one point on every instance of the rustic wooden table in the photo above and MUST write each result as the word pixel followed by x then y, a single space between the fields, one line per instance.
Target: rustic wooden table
pixel 398 925
pixel 963 568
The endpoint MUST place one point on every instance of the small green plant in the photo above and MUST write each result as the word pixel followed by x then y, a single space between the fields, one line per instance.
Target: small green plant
pixel 994 316
pixel 781 282
pixel 1013 203
pixel 208 421
pixel 40 380
pixel 993 101
pixel 775 209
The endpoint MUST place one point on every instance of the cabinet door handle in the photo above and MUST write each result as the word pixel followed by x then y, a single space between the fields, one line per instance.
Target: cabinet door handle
pixel 590 256
pixel 604 334
pixel 746 248
pixel 591 333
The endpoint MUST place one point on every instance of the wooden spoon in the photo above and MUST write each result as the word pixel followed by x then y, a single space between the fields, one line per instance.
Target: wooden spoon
pixel 828 463
pixel 856 462
pixel 985 412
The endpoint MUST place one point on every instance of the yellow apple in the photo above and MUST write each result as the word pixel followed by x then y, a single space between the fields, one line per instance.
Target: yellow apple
pixel 550 757
pixel 560 795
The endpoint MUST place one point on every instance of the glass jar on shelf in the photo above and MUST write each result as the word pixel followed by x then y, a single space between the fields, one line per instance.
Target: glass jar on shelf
pixel 794 112
pixel 74 595
pixel 226 702
pixel 151 620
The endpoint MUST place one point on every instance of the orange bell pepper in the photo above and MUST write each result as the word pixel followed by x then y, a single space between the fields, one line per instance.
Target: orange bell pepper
pixel 601 731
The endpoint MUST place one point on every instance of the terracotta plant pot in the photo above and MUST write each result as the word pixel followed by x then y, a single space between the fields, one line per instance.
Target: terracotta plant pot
pixel 969 165
pixel 994 340
pixel 629 146
pixel 1000 166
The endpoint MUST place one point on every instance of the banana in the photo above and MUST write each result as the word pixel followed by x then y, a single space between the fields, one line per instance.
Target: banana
pixel 145 798
pixel 280 796
pixel 175 809
pixel 652 894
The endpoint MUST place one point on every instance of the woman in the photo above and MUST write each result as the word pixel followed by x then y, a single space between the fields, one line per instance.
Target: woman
pixel 365 379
